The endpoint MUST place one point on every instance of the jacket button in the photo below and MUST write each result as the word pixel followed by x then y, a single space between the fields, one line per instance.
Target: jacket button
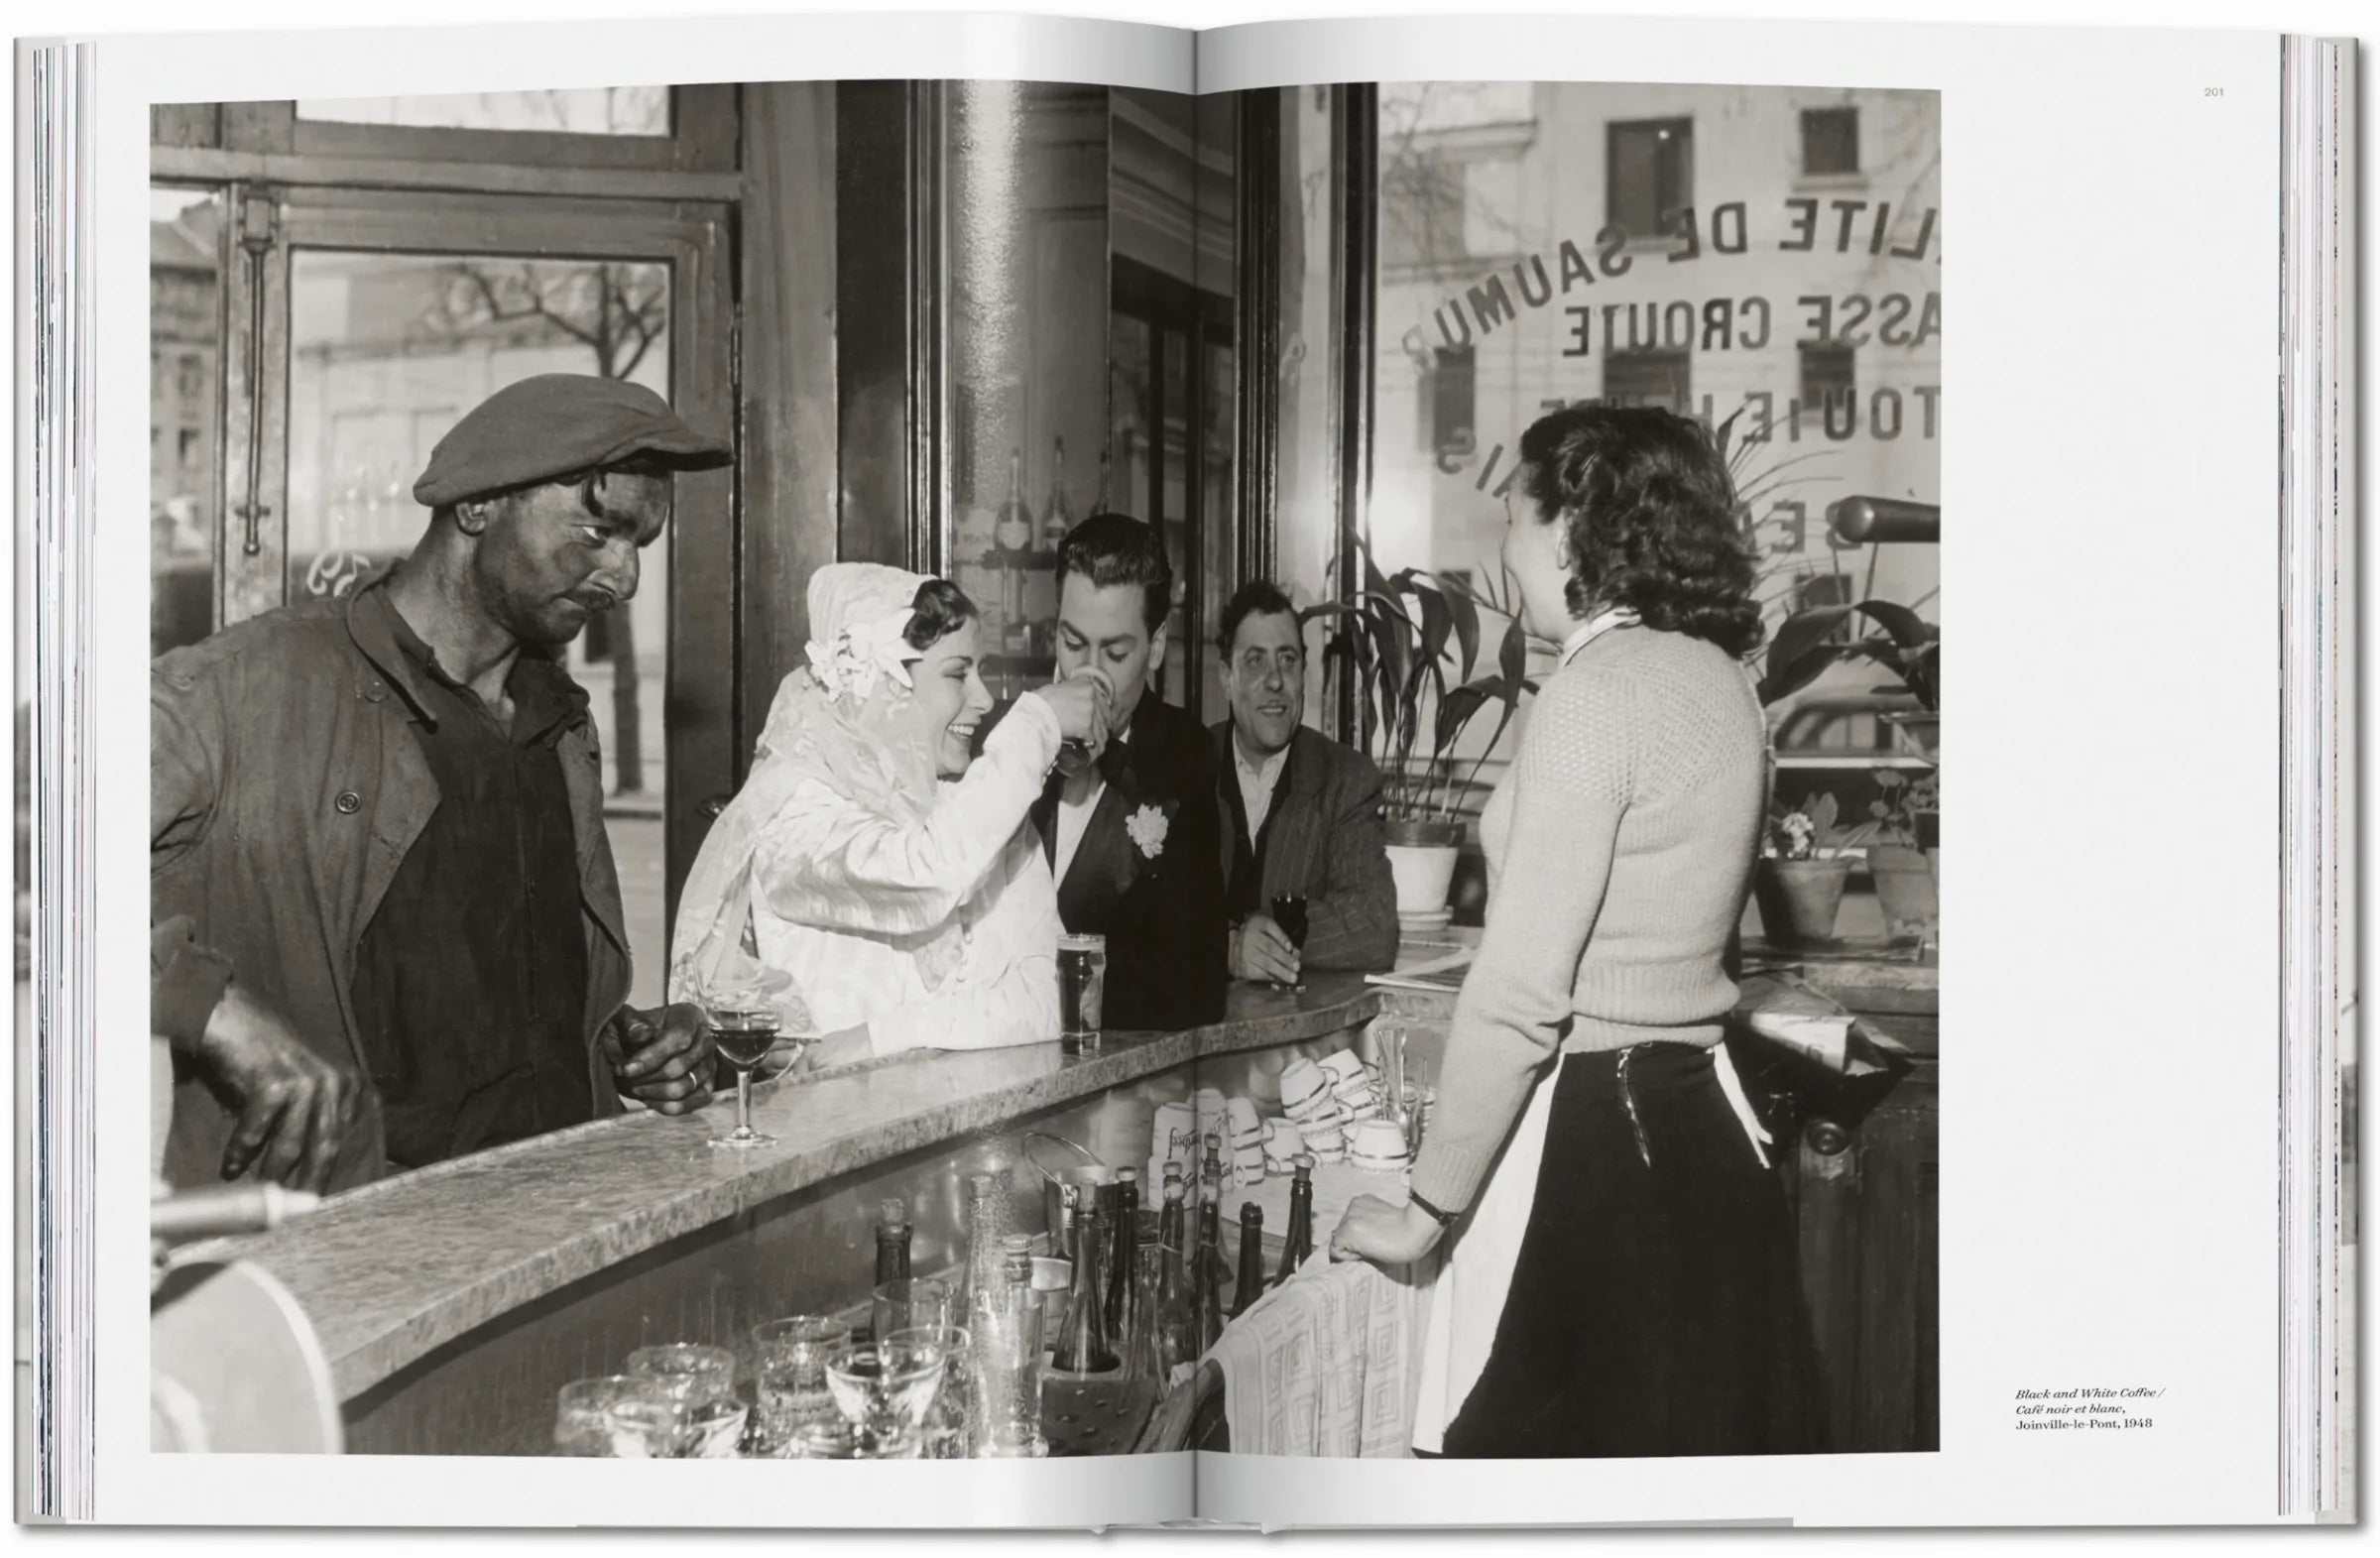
pixel 349 802
pixel 374 693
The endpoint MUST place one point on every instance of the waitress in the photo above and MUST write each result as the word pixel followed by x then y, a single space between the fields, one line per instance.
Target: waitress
pixel 1621 1277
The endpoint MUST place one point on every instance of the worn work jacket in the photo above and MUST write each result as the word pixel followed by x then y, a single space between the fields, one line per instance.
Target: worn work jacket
pixel 286 785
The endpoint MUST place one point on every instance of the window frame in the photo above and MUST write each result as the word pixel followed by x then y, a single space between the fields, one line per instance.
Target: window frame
pixel 1683 196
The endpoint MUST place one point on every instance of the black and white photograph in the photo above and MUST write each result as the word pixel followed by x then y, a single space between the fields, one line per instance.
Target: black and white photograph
pixel 981 769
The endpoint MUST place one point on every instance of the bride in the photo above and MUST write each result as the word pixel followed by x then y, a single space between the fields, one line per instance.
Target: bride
pixel 873 882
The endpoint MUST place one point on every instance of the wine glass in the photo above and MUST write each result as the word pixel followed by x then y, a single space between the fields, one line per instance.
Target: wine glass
pixel 951 1421
pixel 582 1423
pixel 911 1303
pixel 1289 912
pixel 790 1379
pixel 884 1389
pixel 744 1037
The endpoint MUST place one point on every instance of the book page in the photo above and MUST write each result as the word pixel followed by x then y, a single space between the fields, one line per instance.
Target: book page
pixel 2099 1314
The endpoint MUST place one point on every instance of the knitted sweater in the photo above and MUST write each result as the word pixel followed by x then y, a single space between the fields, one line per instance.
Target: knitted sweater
pixel 1633 817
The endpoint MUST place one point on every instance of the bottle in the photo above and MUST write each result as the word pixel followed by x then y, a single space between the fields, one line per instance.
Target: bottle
pixel 1057 515
pixel 1012 525
pixel 1209 1173
pixel 1170 1229
pixel 1207 1276
pixel 1297 1239
pixel 892 1242
pixel 1105 503
pixel 1083 1346
pixel 987 1238
pixel 1123 1266
pixel 1008 1358
pixel 1251 1285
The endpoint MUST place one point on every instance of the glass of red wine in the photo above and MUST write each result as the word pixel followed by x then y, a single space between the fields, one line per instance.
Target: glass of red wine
pixel 743 1038
pixel 1289 912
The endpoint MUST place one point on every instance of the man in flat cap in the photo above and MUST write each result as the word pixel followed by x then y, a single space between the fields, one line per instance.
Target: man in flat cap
pixel 384 923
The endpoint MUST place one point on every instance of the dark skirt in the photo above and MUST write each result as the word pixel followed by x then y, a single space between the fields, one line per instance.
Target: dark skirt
pixel 1655 1307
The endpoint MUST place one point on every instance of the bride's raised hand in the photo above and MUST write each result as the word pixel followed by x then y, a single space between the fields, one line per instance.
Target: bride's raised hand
pixel 1081 704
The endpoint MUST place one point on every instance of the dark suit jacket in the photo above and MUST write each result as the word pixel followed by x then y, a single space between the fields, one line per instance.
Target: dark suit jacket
pixel 1323 841
pixel 1162 913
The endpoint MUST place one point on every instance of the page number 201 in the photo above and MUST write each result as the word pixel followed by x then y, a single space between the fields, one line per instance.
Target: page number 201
pixel 2212 91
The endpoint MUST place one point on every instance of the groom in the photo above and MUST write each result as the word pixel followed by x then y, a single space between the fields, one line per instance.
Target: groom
pixel 1131 832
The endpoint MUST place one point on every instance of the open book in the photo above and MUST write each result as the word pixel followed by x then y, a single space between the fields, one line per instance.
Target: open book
pixel 1312 303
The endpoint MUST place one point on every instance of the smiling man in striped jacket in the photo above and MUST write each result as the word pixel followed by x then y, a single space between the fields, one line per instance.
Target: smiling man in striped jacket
pixel 1301 813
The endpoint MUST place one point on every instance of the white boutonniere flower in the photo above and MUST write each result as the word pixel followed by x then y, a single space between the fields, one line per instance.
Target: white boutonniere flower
pixel 862 652
pixel 1148 828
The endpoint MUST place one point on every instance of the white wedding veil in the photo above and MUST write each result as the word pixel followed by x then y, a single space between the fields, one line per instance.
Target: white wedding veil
pixel 835 721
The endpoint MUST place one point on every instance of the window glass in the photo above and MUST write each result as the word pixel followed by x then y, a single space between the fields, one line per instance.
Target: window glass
pixel 598 110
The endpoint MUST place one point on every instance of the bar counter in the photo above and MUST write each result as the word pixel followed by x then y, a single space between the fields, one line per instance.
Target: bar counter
pixel 453 1302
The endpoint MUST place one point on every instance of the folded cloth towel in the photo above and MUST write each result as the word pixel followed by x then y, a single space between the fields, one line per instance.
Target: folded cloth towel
pixel 1328 1362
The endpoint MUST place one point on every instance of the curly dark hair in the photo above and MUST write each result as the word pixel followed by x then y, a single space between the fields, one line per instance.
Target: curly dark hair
pixel 938 610
pixel 1650 512
pixel 1255 598
pixel 1116 548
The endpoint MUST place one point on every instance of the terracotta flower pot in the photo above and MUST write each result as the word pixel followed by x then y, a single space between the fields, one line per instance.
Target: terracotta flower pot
pixel 1799 898
pixel 1905 890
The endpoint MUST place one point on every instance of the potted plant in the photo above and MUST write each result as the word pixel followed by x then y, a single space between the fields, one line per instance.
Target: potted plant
pixel 1903 870
pixel 1802 873
pixel 1411 642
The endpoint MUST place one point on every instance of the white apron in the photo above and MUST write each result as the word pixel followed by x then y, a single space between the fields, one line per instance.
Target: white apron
pixel 1474 1272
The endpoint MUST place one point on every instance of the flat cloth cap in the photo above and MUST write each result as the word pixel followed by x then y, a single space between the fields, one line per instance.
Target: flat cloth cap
pixel 553 425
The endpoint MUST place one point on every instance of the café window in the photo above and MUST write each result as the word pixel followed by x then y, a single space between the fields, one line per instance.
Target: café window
pixel 1448 400
pixel 1828 371
pixel 1650 171
pixel 1830 141
pixel 1650 376
pixel 1422 212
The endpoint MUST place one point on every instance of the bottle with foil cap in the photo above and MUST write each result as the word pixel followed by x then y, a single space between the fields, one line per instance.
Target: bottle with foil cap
pixel 1297 1239
pixel 1207 1276
pixel 891 1240
pixel 1251 1285
pixel 1123 1267
pixel 1084 1346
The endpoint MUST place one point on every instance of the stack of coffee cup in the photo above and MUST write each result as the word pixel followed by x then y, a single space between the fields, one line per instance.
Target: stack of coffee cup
pixel 1307 1093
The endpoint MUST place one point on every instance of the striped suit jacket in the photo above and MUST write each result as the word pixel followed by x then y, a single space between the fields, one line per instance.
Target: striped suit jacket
pixel 1324 840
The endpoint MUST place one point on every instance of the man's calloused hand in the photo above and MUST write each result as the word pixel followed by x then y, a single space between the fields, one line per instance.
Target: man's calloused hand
pixel 662 1058
pixel 293 1107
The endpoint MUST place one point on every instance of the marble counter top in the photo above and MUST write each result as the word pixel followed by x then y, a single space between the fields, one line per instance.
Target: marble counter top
pixel 398 1269
pixel 394 1269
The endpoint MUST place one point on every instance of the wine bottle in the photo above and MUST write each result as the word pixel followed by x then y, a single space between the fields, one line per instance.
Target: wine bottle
pixel 1057 515
pixel 1105 503
pixel 1297 1239
pixel 1012 525
pixel 1084 1347
pixel 1170 1227
pixel 1251 1285
pixel 1207 1275
pixel 892 1242
pixel 1124 1266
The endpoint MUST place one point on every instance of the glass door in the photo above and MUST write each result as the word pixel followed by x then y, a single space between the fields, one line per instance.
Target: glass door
pixel 359 325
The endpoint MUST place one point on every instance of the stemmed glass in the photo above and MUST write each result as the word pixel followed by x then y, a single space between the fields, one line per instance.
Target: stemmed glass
pixel 884 1389
pixel 950 1422
pixel 744 1037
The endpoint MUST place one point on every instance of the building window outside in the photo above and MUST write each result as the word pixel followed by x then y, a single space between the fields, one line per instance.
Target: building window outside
pixel 1830 141
pixel 1423 211
pixel 1651 376
pixel 1650 172
pixel 1448 400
